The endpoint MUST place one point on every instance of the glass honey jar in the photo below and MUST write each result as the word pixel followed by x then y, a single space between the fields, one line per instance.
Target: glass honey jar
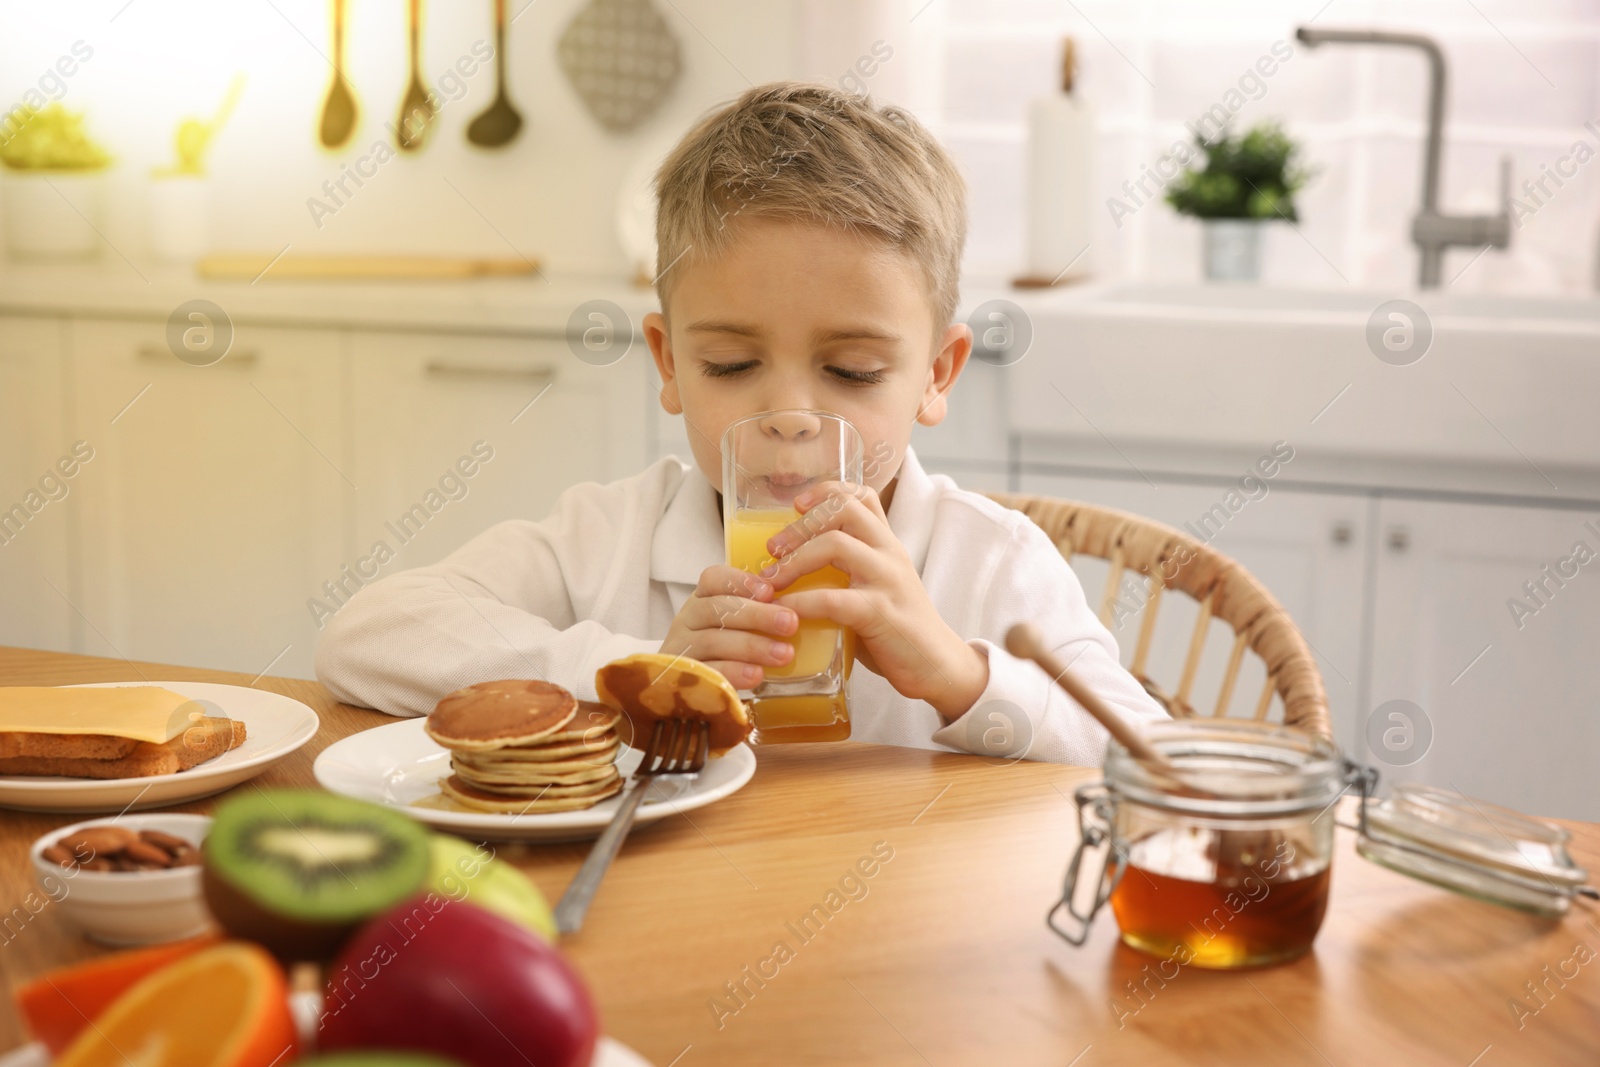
pixel 1224 864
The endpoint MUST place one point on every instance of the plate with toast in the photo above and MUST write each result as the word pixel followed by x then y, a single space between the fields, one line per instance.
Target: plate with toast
pixel 131 746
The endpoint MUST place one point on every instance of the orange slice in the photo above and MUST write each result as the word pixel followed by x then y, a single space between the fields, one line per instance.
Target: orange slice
pixel 226 1006
pixel 58 1005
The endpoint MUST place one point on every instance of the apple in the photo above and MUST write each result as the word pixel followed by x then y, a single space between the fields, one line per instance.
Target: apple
pixel 449 977
pixel 461 871
pixel 376 1059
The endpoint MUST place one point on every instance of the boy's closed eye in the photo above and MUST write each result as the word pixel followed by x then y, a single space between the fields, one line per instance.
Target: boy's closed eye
pixel 850 375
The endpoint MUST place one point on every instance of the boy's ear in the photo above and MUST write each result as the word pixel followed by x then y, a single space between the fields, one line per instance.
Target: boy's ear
pixel 660 342
pixel 948 362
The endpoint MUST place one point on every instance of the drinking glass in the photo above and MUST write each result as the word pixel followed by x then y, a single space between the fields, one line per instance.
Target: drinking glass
pixel 767 460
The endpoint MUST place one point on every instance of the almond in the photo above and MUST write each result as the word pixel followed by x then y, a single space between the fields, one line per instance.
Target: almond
pixel 146 854
pixel 102 840
pixel 170 843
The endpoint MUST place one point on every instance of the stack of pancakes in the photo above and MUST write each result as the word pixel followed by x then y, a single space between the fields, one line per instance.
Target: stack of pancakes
pixel 524 746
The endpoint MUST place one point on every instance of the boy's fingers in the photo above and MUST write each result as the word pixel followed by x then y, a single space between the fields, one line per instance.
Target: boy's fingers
pixel 741 646
pixel 833 548
pixel 864 493
pixel 847 607
pixel 739 675
pixel 837 511
pixel 723 580
pixel 741 613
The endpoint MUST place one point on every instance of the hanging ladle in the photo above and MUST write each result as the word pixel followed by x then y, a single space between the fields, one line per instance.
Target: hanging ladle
pixel 500 122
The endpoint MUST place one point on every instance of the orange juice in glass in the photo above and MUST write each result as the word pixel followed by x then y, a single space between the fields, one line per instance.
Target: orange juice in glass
pixel 767 460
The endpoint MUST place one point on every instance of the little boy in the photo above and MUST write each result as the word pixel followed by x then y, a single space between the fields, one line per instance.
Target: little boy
pixel 809 252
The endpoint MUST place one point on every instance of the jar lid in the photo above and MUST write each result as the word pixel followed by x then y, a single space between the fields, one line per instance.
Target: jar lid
pixel 1230 768
pixel 1476 848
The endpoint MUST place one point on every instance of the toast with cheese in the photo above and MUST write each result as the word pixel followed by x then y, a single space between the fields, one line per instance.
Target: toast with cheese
pixel 90 755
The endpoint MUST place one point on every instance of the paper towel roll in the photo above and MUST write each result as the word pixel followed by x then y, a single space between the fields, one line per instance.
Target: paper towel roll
pixel 1060 188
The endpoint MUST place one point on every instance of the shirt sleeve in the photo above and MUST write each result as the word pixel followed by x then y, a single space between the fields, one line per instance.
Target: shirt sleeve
pixel 1022 713
pixel 501 606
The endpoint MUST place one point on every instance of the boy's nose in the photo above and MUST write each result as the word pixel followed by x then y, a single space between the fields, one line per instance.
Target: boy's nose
pixel 791 426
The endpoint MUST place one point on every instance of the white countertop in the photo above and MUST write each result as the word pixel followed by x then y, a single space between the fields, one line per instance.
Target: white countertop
pixel 113 289
pixel 540 305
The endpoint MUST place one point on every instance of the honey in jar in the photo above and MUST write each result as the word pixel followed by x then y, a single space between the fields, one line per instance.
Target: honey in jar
pixel 1253 907
pixel 1224 866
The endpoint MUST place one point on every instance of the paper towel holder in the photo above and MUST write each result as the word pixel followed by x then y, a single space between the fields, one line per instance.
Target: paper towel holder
pixel 1035 278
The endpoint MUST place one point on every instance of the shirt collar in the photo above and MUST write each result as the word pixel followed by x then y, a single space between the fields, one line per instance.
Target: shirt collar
pixel 688 538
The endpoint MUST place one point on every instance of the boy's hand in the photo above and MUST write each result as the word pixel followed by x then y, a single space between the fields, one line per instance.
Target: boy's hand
pixel 899 634
pixel 729 622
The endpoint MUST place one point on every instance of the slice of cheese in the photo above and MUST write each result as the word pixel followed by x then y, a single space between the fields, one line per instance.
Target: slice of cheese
pixel 142 712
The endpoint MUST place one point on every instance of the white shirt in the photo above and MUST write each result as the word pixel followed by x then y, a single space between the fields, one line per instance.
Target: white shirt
pixel 606 573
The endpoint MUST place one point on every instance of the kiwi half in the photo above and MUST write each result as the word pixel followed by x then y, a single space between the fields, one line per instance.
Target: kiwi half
pixel 298 869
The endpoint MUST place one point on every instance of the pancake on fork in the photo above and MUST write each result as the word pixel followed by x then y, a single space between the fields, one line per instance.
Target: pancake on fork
pixel 651 686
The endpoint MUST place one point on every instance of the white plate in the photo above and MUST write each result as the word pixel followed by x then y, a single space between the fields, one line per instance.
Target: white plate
pixel 398 764
pixel 275 725
pixel 607 1053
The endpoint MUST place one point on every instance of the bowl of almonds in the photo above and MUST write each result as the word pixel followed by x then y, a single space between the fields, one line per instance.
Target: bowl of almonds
pixel 132 880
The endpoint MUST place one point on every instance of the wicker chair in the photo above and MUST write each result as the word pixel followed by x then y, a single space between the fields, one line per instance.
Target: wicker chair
pixel 1224 590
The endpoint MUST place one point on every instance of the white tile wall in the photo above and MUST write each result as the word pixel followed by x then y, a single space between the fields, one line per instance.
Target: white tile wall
pixel 1524 76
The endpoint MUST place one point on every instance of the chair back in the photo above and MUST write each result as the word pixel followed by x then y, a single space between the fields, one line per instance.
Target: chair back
pixel 1167 559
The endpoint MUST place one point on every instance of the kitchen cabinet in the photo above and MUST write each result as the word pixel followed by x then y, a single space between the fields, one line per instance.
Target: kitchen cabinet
pixel 1510 696
pixel 37 502
pixel 212 510
pixel 522 414
pixel 1306 548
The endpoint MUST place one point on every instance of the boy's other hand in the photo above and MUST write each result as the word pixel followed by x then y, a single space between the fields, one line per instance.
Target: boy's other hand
pixel 729 623
pixel 899 633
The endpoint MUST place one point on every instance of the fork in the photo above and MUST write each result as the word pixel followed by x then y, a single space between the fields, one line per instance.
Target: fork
pixel 677 746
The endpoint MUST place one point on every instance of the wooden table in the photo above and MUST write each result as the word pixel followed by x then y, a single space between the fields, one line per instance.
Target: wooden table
pixel 942 957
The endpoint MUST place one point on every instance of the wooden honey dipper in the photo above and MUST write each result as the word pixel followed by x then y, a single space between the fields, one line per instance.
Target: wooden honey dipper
pixel 1022 641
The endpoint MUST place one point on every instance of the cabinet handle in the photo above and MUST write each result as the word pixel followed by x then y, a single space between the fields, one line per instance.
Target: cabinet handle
pixel 440 368
pixel 1399 538
pixel 247 357
pixel 1343 532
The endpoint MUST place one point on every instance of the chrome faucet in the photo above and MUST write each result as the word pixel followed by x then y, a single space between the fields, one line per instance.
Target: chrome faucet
pixel 1432 231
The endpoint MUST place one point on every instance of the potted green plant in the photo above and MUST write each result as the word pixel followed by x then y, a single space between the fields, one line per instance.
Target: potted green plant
pixel 180 192
pixel 53 194
pixel 1247 181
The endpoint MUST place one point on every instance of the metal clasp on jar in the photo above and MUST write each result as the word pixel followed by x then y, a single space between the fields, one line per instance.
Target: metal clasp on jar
pixel 1095 798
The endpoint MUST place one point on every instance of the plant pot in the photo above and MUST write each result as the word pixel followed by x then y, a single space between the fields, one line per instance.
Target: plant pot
pixel 1233 249
pixel 53 214
pixel 180 218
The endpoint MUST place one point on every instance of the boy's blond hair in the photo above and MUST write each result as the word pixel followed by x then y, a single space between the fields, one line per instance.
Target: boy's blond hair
pixel 810 153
